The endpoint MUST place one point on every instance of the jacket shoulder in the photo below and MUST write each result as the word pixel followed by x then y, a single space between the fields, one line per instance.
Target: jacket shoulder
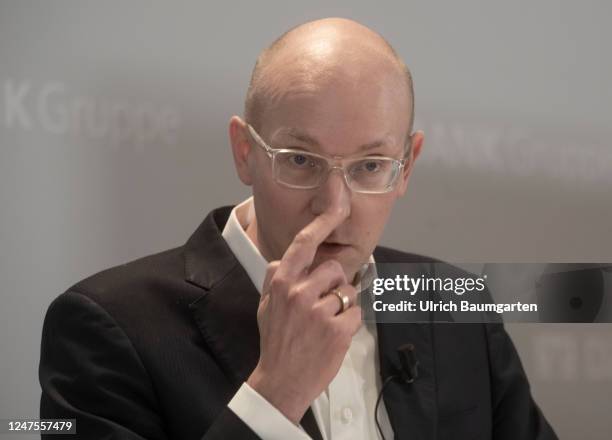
pixel 138 281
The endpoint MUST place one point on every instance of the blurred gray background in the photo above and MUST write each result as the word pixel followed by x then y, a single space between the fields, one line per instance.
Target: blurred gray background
pixel 113 145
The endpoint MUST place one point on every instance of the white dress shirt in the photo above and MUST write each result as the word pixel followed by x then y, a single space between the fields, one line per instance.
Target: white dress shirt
pixel 345 410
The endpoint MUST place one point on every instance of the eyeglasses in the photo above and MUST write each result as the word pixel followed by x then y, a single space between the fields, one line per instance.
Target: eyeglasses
pixel 301 169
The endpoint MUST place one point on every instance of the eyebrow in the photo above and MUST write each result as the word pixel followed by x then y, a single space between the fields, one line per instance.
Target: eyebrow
pixel 306 138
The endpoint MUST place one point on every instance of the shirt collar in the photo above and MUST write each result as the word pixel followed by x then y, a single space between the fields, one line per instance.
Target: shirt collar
pixel 249 256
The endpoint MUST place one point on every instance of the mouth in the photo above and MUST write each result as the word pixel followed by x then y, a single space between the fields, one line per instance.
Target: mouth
pixel 329 247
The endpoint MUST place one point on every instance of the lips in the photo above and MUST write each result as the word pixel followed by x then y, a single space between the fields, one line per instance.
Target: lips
pixel 335 243
pixel 332 247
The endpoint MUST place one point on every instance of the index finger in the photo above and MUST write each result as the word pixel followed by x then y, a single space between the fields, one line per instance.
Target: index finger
pixel 301 252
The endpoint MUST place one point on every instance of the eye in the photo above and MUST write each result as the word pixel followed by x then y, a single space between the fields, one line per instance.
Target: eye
pixel 301 161
pixel 371 166
pixel 298 159
pixel 368 166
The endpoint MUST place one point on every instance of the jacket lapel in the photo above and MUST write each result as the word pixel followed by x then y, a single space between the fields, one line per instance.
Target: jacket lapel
pixel 227 318
pixel 226 313
pixel 412 408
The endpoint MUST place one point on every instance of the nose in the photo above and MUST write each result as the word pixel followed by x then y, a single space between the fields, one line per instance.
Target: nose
pixel 333 194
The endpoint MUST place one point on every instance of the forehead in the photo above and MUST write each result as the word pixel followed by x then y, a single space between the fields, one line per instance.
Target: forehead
pixel 289 136
pixel 343 112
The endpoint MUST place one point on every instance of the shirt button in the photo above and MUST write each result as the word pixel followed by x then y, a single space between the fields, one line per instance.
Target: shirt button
pixel 347 414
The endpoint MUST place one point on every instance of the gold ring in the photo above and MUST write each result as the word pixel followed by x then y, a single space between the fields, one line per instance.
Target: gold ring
pixel 345 301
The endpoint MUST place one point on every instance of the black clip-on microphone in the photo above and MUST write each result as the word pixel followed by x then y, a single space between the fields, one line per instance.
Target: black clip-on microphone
pixel 408 374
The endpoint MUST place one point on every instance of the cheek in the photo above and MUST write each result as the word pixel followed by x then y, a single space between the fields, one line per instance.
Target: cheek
pixel 280 210
pixel 370 214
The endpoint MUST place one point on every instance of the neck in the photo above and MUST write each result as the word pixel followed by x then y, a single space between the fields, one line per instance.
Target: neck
pixel 252 231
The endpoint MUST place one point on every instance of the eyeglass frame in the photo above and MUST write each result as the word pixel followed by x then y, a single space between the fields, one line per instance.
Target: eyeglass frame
pixel 271 153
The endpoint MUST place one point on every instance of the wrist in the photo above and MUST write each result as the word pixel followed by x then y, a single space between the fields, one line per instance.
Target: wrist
pixel 289 401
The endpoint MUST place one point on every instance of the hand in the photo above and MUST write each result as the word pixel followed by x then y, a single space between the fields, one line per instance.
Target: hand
pixel 303 338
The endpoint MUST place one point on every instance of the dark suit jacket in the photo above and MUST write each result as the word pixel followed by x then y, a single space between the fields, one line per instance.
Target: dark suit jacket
pixel 156 348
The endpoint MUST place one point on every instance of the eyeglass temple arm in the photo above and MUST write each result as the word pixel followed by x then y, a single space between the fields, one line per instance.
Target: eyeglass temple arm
pixel 408 151
pixel 259 140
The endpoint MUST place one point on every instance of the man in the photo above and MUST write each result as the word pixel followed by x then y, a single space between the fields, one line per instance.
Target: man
pixel 252 329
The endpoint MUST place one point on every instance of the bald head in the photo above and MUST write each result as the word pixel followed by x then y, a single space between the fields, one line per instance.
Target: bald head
pixel 320 54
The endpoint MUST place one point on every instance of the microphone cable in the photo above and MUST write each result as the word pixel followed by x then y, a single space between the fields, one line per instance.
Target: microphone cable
pixel 386 382
pixel 409 372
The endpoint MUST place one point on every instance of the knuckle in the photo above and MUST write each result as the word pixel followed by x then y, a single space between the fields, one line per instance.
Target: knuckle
pixel 334 266
pixel 272 267
pixel 336 269
pixel 278 284
pixel 304 237
pixel 349 289
pixel 340 210
pixel 298 296
pixel 296 291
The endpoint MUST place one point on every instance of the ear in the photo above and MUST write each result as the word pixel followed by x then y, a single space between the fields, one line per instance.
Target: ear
pixel 241 148
pixel 416 142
